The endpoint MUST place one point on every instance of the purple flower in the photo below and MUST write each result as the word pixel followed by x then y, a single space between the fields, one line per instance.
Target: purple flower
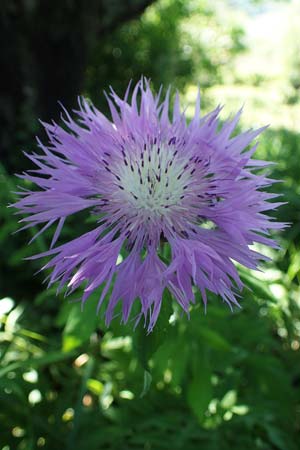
pixel 151 181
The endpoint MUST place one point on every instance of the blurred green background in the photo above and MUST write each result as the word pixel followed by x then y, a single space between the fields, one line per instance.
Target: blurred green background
pixel 215 382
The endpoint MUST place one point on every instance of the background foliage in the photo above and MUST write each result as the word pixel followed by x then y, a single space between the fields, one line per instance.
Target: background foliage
pixel 217 381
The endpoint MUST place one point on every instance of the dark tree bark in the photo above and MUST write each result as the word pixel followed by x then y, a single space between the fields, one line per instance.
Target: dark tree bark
pixel 46 46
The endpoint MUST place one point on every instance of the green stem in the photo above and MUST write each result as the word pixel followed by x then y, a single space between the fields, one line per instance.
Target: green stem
pixel 71 444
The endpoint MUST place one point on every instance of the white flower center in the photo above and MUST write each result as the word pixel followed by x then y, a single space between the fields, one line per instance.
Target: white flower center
pixel 155 182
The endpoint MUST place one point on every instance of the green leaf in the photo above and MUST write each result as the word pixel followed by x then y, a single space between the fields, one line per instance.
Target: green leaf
pixel 147 383
pixel 178 365
pixel 80 324
pixel 44 360
pixel 214 339
pixel 240 410
pixel 199 389
pixel 95 386
pixel 229 400
pixel 145 344
pixel 14 387
pixel 277 438
pixel 258 287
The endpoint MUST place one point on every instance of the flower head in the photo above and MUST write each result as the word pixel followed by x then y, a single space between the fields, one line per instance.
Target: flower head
pixel 150 180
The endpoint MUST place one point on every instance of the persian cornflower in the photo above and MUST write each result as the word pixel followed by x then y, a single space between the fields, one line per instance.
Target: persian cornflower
pixel 150 180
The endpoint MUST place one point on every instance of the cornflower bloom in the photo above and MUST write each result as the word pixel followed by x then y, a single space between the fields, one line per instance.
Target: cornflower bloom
pixel 151 181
